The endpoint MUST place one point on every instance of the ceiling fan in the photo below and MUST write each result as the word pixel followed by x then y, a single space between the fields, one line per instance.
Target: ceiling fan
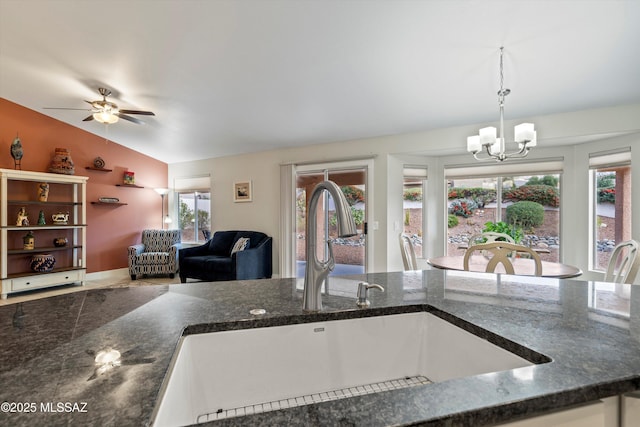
pixel 107 112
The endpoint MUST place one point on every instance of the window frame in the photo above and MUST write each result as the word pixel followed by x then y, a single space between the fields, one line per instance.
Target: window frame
pixel 599 162
pixel 197 230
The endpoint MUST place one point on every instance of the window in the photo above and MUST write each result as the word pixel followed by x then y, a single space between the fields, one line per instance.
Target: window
pixel 194 216
pixel 474 201
pixel 194 207
pixel 414 182
pixel 611 182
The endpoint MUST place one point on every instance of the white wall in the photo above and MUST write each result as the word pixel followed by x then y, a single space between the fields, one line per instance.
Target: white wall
pixel 557 136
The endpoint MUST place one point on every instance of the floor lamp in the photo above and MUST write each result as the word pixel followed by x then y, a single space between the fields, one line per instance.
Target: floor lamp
pixel 163 192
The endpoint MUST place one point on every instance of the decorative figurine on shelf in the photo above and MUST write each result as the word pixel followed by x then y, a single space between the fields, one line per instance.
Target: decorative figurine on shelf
pixel 43 191
pixel 16 153
pixel 29 241
pixel 60 242
pixel 23 218
pixel 41 220
pixel 98 163
pixel 129 178
pixel 62 163
pixel 60 218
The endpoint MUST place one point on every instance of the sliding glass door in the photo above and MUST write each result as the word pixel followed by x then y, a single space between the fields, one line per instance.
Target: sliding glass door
pixel 350 253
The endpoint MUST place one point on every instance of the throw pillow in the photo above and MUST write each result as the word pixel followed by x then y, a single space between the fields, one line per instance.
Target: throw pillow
pixel 241 244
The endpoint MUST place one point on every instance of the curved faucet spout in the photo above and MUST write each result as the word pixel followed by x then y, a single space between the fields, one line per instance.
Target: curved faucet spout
pixel 316 271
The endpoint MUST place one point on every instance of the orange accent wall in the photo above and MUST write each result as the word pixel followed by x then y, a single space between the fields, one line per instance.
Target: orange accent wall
pixel 110 229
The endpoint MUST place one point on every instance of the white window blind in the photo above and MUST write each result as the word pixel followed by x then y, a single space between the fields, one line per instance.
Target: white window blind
pixel 606 159
pixel 415 172
pixel 192 183
pixel 508 168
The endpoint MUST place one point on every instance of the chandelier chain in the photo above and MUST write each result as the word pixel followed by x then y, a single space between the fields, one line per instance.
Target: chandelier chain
pixel 501 70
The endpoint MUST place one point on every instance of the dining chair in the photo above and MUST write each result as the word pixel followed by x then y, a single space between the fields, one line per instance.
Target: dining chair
pixel 624 263
pixel 490 236
pixel 502 253
pixel 408 253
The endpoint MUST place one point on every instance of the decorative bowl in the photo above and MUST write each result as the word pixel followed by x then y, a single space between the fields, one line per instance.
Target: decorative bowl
pixel 42 263
pixel 109 199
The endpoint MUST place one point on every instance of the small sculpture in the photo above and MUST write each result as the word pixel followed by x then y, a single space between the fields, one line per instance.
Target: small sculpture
pixel 59 242
pixel 62 162
pixel 43 191
pixel 41 220
pixel 29 241
pixel 16 153
pixel 98 163
pixel 60 218
pixel 23 218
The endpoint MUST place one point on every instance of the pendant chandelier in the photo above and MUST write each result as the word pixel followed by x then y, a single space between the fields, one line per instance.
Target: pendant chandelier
pixel 495 147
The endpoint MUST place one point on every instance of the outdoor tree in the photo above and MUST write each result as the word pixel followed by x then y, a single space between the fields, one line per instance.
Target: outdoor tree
pixel 185 215
pixel 203 220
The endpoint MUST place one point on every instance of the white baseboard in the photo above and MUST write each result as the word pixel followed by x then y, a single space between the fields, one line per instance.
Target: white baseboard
pixel 119 273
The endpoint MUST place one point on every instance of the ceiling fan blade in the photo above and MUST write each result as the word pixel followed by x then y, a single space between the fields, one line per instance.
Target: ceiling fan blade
pixel 131 119
pixel 146 113
pixel 88 119
pixel 59 108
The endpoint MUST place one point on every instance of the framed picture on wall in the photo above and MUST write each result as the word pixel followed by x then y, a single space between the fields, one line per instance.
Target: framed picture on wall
pixel 242 191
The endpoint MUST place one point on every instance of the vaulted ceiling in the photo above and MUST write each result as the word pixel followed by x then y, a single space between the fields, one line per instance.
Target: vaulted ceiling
pixel 227 77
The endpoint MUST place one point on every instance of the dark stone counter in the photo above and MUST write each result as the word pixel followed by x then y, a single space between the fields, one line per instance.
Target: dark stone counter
pixel 48 347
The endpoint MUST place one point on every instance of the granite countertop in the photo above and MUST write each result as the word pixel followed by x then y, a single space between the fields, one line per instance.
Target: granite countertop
pixel 48 347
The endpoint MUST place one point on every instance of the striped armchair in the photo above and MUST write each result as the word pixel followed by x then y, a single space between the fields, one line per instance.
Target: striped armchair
pixel 157 254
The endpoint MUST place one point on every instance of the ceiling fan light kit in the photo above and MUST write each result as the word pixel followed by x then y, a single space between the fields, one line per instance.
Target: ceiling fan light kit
pixel 105 117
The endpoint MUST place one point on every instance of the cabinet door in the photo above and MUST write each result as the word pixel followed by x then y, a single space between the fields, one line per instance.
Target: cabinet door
pixel 596 414
pixel 630 409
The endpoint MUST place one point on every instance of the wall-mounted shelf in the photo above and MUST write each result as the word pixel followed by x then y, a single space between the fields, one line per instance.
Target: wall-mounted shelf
pixel 128 185
pixel 93 168
pixel 109 203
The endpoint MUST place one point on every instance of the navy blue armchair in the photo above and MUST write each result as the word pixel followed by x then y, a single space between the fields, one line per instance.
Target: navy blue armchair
pixel 229 255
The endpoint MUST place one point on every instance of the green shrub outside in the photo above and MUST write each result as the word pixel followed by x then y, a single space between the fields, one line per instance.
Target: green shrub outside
pixel 477 194
pixel 546 195
pixel 358 217
pixel 352 194
pixel 452 221
pixel 412 194
pixel 545 180
pixel 606 195
pixel 463 207
pixel 526 214
pixel 605 179
pixel 502 227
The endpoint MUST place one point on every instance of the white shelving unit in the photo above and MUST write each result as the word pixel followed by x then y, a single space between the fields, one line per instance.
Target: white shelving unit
pixel 67 194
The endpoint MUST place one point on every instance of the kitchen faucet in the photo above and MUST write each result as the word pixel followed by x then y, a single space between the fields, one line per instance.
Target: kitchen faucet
pixel 317 271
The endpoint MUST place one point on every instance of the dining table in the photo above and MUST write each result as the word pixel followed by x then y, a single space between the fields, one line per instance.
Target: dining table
pixel 521 266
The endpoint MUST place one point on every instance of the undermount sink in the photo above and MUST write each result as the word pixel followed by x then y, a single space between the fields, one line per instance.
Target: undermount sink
pixel 240 372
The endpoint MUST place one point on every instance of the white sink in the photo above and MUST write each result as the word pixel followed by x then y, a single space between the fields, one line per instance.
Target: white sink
pixel 231 373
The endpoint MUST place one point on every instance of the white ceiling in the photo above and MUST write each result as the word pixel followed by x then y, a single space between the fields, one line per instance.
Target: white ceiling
pixel 227 77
